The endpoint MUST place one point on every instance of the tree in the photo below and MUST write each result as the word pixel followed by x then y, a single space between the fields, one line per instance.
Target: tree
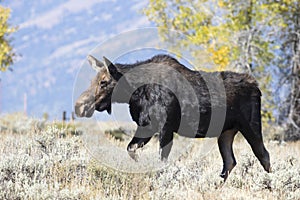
pixel 195 20
pixel 288 61
pixel 7 54
pixel 221 34
pixel 255 36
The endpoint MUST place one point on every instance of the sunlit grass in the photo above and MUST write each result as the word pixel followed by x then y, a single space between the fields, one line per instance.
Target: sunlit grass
pixel 40 160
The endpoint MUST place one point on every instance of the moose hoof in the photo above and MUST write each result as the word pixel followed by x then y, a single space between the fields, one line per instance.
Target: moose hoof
pixel 267 167
pixel 224 175
pixel 132 152
pixel 164 160
pixel 269 170
pixel 133 155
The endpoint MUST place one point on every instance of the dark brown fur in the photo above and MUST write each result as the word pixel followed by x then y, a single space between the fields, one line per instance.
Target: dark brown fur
pixel 155 108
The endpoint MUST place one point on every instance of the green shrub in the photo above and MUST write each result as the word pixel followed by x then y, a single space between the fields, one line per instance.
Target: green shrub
pixel 117 134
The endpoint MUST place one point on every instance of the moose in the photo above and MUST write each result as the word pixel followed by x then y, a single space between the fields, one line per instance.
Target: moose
pixel 166 97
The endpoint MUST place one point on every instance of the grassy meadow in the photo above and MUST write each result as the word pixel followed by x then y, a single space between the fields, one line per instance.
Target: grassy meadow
pixel 52 160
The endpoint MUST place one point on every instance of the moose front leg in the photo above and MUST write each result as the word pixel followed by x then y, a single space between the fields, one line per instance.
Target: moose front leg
pixel 165 143
pixel 225 141
pixel 141 137
pixel 135 144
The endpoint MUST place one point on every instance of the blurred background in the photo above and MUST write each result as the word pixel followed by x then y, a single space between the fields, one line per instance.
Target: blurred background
pixel 44 44
pixel 50 41
pixel 43 49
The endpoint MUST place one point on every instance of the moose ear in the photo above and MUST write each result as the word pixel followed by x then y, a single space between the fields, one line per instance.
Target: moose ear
pixel 96 64
pixel 113 71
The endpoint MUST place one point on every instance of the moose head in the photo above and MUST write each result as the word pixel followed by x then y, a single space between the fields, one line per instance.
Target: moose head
pixel 98 95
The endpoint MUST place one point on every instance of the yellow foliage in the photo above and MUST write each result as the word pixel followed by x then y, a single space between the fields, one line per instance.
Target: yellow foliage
pixel 6 53
pixel 221 4
pixel 220 56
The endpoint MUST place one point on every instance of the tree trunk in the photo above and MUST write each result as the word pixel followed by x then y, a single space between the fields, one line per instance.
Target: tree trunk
pixel 294 113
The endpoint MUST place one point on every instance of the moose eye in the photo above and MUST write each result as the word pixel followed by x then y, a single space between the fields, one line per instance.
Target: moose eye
pixel 103 83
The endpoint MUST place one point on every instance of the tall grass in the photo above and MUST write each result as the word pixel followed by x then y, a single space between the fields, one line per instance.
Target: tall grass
pixel 40 160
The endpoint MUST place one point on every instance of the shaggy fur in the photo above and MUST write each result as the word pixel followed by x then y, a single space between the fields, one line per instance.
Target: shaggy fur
pixel 155 107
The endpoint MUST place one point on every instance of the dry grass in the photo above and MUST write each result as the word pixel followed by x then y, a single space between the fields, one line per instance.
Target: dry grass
pixel 41 161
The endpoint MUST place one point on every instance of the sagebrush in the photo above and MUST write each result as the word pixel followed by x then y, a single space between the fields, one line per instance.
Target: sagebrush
pixel 40 160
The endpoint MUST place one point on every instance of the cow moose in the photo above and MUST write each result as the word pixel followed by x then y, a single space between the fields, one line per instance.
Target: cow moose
pixel 156 108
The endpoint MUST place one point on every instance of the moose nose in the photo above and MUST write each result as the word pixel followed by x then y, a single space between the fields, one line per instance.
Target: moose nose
pixel 84 106
pixel 79 110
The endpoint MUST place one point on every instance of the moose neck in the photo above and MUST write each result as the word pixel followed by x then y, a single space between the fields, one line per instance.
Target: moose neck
pixel 122 93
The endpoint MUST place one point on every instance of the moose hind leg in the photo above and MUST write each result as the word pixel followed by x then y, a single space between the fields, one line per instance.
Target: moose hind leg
pixel 251 130
pixel 256 142
pixel 225 141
